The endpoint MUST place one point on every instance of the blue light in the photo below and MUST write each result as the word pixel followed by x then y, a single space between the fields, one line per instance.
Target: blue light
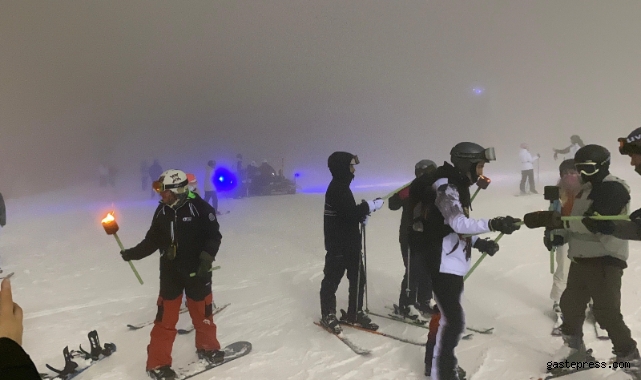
pixel 477 90
pixel 225 179
pixel 296 175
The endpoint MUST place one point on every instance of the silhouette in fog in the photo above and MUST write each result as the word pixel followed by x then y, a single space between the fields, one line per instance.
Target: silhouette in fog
pixel 155 170
pixel 575 144
pixel 144 175
pixel 210 189
pixel 527 168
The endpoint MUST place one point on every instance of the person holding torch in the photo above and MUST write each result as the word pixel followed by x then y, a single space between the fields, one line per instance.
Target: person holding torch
pixel 185 230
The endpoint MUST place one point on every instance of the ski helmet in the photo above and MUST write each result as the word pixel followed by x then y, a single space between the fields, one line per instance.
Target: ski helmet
pixel 172 179
pixel 424 166
pixel 632 144
pixel 466 155
pixel 592 162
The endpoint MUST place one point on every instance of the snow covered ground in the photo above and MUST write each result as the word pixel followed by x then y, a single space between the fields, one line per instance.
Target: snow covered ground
pixel 70 280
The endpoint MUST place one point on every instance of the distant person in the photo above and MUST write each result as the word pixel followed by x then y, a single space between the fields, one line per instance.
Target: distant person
pixel 144 175
pixel 575 144
pixel 103 175
pixel 155 170
pixel 15 363
pixel 3 212
pixel 192 183
pixel 211 196
pixel 527 168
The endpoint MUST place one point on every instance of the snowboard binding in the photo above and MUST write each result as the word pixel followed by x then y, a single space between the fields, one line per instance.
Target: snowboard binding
pixel 95 354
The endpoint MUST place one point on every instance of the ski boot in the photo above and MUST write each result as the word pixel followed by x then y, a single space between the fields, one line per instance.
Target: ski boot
pixel 162 373
pixel 573 350
pixel 426 308
pixel 330 322
pixel 459 373
pixel 411 312
pixel 211 356
pixel 359 319
pixel 633 360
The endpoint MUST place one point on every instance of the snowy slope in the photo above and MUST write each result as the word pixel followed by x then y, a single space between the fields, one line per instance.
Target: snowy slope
pixel 70 279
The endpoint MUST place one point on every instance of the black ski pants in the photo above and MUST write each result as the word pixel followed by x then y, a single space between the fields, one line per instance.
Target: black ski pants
pixel 420 283
pixel 527 176
pixel 600 280
pixel 448 291
pixel 336 263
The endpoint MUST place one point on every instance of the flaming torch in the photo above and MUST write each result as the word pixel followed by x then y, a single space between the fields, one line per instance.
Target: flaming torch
pixel 111 228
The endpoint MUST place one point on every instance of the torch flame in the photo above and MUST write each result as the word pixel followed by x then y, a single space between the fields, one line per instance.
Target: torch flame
pixel 109 218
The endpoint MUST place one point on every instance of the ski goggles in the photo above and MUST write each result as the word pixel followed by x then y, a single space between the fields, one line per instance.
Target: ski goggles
pixel 354 160
pixel 159 186
pixel 589 168
pixel 486 155
pixel 626 147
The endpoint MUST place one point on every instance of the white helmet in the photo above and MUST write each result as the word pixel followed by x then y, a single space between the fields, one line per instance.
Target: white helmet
pixel 172 179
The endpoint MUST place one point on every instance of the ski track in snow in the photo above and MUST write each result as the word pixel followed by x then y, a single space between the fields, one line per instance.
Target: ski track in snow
pixel 70 280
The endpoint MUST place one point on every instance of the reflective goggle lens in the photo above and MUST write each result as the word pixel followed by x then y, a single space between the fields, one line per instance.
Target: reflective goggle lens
pixel 354 161
pixel 158 186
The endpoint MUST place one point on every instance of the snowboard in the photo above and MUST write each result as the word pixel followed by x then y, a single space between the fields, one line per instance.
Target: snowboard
pixel 232 352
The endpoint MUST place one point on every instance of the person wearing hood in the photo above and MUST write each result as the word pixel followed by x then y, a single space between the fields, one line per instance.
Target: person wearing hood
pixel 630 146
pixel 441 204
pixel 343 243
pixel 575 144
pixel 527 169
pixel 598 260
pixel 186 232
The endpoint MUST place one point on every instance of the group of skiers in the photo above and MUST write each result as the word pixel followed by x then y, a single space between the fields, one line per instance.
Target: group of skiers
pixel 437 234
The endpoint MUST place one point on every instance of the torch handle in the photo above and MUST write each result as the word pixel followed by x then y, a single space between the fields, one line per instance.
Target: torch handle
pixel 133 268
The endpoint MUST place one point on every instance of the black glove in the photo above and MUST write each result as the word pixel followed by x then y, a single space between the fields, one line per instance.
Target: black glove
pixel 636 217
pixel 550 240
pixel 487 246
pixel 547 219
pixel 126 254
pixel 506 224
pixel 605 227
pixel 204 268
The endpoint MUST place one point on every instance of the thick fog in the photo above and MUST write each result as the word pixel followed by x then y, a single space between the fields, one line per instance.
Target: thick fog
pixel 116 82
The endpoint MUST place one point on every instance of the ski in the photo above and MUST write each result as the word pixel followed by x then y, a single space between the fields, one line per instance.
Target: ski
pixel 481 330
pixel 384 334
pixel 73 369
pixel 183 310
pixel 232 352
pixel 397 318
pixel 358 350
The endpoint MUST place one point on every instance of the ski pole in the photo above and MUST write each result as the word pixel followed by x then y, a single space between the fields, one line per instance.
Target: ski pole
pixel 552 194
pixel 365 266
pixel 111 228
pixel 407 286
pixel 476 264
pixel 358 277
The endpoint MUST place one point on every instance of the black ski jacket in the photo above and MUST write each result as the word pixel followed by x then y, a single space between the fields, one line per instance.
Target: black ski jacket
pixel 342 215
pixel 401 199
pixel 15 363
pixel 195 229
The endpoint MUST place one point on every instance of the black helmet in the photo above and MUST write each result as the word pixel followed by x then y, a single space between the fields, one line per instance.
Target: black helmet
pixel 631 144
pixel 424 166
pixel 592 162
pixel 566 166
pixel 466 155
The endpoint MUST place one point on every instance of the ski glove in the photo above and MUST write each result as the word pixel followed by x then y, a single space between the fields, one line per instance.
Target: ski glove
pixel 205 264
pixel 636 217
pixel 487 246
pixel 605 227
pixel 547 219
pixel 126 254
pixel 375 204
pixel 506 224
pixel 551 240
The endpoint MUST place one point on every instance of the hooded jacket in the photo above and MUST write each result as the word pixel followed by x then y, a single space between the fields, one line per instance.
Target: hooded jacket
pixel 342 215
